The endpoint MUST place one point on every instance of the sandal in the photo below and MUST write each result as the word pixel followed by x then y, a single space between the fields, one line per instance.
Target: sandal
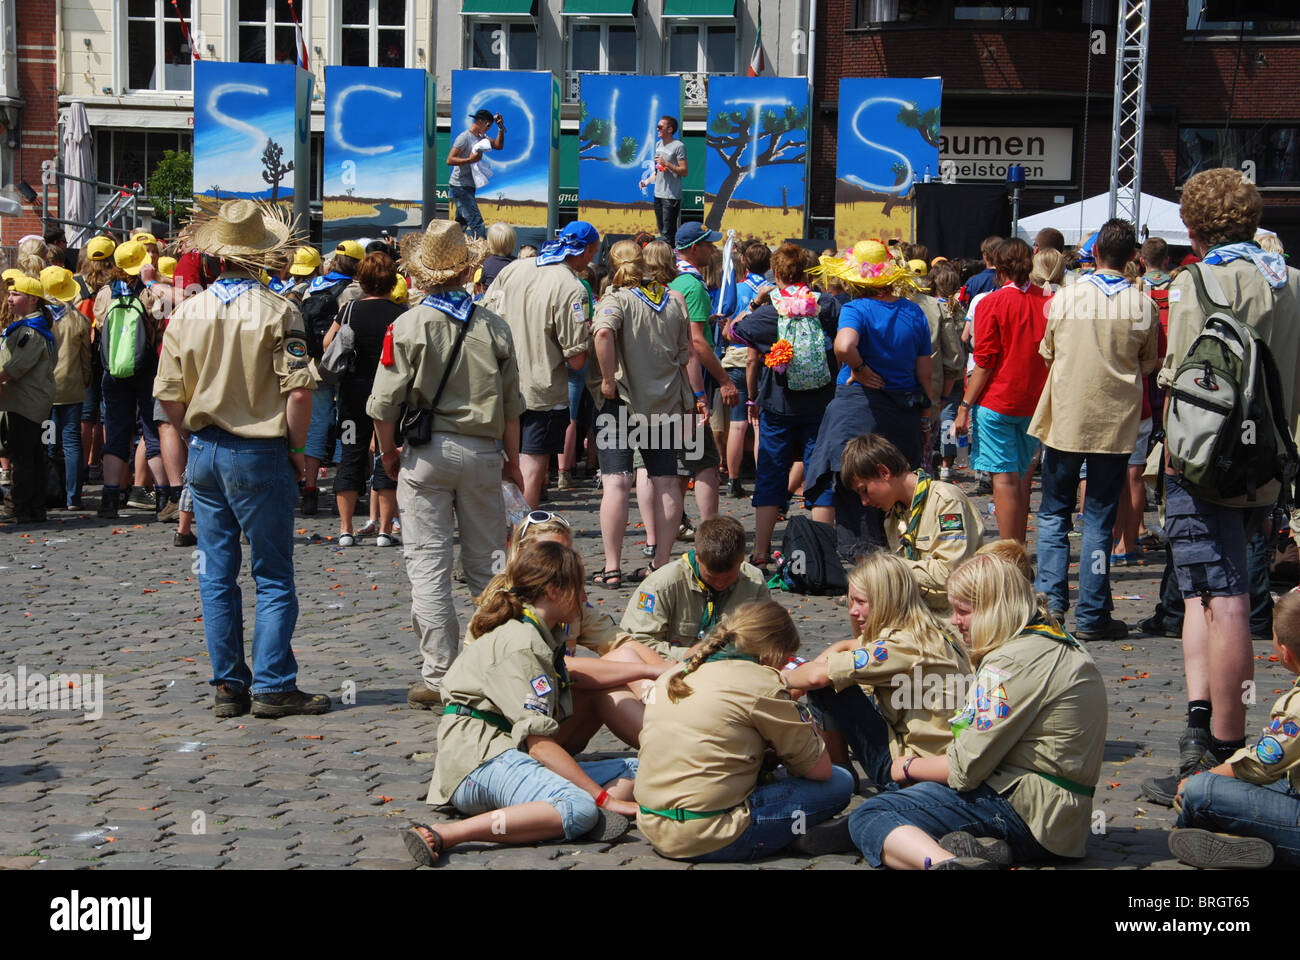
pixel 608 578
pixel 641 573
pixel 425 852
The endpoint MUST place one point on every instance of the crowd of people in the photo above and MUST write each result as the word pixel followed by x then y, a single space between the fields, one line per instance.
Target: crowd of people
pixel 227 377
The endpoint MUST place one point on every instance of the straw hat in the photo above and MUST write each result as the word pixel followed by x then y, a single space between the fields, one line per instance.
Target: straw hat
pixel 305 262
pixel 868 266
pixel 243 231
pixel 100 248
pixel 59 284
pixel 444 254
pixel 130 256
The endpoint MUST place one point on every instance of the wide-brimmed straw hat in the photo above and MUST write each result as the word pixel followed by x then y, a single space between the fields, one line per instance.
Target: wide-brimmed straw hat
pixel 867 266
pixel 244 231
pixel 444 254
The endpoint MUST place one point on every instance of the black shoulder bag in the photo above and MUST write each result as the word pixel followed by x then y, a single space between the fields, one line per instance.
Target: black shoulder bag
pixel 415 427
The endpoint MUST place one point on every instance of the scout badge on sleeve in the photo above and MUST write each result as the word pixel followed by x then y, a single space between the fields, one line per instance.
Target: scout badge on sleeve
pixel 645 601
pixel 541 686
pixel 880 653
pixel 861 657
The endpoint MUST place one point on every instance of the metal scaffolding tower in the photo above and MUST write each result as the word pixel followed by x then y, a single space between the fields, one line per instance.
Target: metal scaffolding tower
pixel 1132 40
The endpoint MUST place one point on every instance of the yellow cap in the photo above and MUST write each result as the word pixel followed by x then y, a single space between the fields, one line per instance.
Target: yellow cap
pixel 144 236
pixel 167 267
pixel 918 267
pixel 350 248
pixel 59 283
pixel 305 261
pixel 400 292
pixel 13 273
pixel 100 248
pixel 30 286
pixel 130 256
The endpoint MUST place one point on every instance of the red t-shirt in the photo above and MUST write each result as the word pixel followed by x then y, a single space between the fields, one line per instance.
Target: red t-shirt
pixel 1009 326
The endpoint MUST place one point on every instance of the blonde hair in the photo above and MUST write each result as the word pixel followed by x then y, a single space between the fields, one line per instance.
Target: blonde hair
pixel 523 533
pixel 1221 206
pixel 627 265
pixel 537 568
pixel 501 239
pixel 1049 267
pixel 31 264
pixel 1270 242
pixel 895 600
pixel 1001 599
pixel 660 262
pixel 761 628
pixel 1011 551
pixel 33 247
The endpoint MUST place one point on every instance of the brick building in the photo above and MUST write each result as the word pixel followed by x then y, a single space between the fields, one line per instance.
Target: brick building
pixel 28 107
pixel 1218 91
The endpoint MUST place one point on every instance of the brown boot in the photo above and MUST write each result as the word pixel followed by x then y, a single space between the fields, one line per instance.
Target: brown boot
pixel 420 697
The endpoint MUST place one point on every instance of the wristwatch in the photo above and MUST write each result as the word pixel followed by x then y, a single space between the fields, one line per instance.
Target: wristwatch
pixel 964 405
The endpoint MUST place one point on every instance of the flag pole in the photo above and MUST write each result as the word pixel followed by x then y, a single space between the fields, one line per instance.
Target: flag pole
pixel 185 31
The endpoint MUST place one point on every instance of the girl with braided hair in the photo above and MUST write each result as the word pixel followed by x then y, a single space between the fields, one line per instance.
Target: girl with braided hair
pixel 709 725
pixel 504 699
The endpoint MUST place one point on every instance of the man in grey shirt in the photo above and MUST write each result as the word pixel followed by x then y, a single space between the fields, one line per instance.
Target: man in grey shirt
pixel 462 158
pixel 670 167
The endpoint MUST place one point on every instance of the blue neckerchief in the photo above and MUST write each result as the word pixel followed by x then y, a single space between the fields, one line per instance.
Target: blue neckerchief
pixel 38 322
pixel 228 288
pixel 122 288
pixel 329 280
pixel 557 250
pixel 279 286
pixel 1107 283
pixel 654 296
pixel 454 303
pixel 57 311
pixel 1156 278
pixel 685 266
pixel 1271 265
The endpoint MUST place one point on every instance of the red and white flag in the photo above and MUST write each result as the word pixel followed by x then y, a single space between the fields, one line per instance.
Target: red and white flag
pixel 297 33
pixel 756 62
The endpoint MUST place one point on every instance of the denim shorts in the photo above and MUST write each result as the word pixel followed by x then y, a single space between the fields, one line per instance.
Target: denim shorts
pixel 1209 542
pixel 577 386
pixel 1001 444
pixel 542 431
pixel 739 413
pixel 1139 455
pixel 324 423
pixel 514 777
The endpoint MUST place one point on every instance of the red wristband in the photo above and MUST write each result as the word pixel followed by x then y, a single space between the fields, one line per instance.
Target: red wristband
pixel 601 798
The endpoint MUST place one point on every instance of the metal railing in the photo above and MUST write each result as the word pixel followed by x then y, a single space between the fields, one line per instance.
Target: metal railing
pixel 120 211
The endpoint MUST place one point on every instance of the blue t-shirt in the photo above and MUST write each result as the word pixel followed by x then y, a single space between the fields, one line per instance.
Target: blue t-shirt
pixel 983 282
pixel 890 338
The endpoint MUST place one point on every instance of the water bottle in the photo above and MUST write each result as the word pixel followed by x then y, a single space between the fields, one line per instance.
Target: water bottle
pixel 992 510
pixel 927 174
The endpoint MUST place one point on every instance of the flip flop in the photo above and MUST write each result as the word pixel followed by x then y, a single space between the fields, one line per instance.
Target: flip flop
pixel 641 573
pixel 608 578
pixel 423 852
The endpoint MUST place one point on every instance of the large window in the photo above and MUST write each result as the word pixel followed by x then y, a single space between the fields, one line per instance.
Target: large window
pixel 497 45
pixel 602 48
pixel 157 53
pixel 1052 14
pixel 1251 17
pixel 1272 148
pixel 373 33
pixel 695 48
pixel 125 157
pixel 266 33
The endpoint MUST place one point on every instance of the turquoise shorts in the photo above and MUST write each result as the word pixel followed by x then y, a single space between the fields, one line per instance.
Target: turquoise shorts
pixel 1001 444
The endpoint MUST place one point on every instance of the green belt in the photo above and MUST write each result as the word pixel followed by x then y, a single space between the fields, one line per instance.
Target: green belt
pixel 681 816
pixel 1070 785
pixel 493 718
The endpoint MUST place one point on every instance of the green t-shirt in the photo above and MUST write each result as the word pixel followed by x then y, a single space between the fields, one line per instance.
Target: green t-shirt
pixel 697 301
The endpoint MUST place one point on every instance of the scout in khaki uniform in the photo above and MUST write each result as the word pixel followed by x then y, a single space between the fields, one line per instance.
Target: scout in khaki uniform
pixel 929 523
pixel 456 464
pixel 902 657
pixel 946 359
pixel 27 354
pixel 1253 797
pixel 707 728
pixel 73 369
pixel 234 379
pixel 677 605
pixel 548 310
pixel 504 700
pixel 1027 747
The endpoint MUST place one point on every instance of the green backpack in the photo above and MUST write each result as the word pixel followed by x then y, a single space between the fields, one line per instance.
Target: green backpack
pixel 125 337
pixel 1226 431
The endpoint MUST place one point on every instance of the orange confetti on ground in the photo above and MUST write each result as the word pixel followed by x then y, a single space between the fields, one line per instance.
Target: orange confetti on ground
pixel 168 581
pixel 1273 658
pixel 127 650
pixel 303 530
pixel 1112 785
pixel 385 799
pixel 71 684
pixel 137 527
pixel 1143 675
pixel 148 590
pixel 198 619
pixel 374 586
pixel 188 659
pixel 330 570
pixel 26 614
pixel 1126 679
pixel 313 738
pixel 240 727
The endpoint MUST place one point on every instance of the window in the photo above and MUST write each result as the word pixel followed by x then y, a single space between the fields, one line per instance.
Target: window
pixel 266 33
pixel 125 157
pixel 154 39
pixel 372 33
pixel 1272 147
pixel 602 48
pixel 702 49
pixel 502 46
pixel 991 11
pixel 1235 17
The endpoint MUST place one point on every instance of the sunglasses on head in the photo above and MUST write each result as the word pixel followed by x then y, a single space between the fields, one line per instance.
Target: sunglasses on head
pixel 540 516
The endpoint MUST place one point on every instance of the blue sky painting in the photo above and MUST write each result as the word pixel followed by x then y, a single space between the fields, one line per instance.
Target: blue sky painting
pixel 237 108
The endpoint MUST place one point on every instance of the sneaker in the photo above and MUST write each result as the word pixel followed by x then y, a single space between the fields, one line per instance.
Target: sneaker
pixel 385 540
pixel 347 540
pixel 1155 626
pixel 108 506
pixel 420 697
pixel 1124 559
pixel 184 539
pixel 829 837
pixel 964 863
pixel 1107 630
pixel 686 532
pixel 964 844
pixel 289 703
pixel 945 474
pixel 649 550
pixel 310 501
pixel 169 512
pixel 142 499
pixel 397 526
pixel 1201 848
pixel 229 702
pixel 565 481
pixel 1193 757
pixel 736 490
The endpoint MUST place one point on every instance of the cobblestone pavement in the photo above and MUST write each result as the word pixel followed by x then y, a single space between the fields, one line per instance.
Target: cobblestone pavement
pixel 158 782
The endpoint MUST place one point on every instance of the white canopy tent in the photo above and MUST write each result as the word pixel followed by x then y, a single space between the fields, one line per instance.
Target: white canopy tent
pixel 1160 218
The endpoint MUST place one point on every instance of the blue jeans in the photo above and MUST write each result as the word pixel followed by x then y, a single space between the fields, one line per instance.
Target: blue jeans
pixel 513 777
pixel 774 810
pixel 322 430
pixel 242 484
pixel 938 809
pixel 67 420
pixel 855 716
pixel 1106 478
pixel 467 210
pixel 951 404
pixel 1228 805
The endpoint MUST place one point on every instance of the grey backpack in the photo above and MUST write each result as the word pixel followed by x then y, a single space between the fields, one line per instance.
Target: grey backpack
pixel 340 357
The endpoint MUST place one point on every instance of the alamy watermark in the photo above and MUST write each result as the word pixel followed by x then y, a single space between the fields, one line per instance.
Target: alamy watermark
pixel 658 431
pixel 24 690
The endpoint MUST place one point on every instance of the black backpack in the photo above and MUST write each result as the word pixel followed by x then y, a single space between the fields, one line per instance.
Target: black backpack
pixel 810 562
pixel 318 312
